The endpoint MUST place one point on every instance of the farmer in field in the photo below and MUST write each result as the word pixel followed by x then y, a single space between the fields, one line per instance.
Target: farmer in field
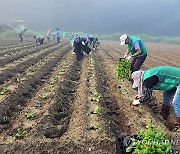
pixel 49 35
pixel 95 43
pixel 54 35
pixel 137 49
pixel 164 78
pixel 39 40
pixel 70 36
pixel 58 35
pixel 81 43
pixel 21 33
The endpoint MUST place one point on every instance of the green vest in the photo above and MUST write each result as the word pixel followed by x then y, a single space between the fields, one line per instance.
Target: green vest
pixel 131 48
pixel 169 77
pixel 39 37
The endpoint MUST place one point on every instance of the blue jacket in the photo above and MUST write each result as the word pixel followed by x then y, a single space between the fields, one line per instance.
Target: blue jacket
pixel 81 39
pixel 84 39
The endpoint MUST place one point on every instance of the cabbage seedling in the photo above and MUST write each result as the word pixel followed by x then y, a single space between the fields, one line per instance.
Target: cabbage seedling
pixel 49 89
pixel 52 81
pixel 97 97
pixel 29 115
pixel 97 110
pixel 19 134
pixel 3 91
pixel 140 108
pixel 37 104
pixel 29 73
pixel 84 79
pixel 97 127
pixel 44 95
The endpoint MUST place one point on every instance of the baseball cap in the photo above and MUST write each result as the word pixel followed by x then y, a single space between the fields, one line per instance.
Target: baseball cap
pixel 123 39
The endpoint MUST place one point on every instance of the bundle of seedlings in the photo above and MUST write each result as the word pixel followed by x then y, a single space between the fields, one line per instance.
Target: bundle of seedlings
pixel 123 69
pixel 150 141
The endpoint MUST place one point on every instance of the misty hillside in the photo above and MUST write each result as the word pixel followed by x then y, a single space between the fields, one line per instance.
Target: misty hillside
pixel 4 28
pixel 103 16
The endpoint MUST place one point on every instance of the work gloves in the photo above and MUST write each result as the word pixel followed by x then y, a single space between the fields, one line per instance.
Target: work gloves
pixel 127 57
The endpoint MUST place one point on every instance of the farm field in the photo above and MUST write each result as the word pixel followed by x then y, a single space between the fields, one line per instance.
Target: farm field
pixel 48 99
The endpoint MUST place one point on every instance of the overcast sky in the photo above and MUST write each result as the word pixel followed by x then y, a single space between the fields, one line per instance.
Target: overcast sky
pixel 155 17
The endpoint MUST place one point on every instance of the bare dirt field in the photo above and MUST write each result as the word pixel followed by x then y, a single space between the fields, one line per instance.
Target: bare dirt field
pixel 47 98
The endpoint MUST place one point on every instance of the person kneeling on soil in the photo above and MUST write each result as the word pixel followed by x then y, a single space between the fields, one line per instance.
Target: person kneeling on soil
pixel 39 40
pixel 138 50
pixel 164 78
pixel 81 43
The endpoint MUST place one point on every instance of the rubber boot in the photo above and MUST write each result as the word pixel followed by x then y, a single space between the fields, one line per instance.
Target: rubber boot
pixel 165 110
pixel 178 121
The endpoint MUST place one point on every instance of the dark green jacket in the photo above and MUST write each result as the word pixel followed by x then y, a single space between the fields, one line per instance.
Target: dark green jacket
pixel 169 77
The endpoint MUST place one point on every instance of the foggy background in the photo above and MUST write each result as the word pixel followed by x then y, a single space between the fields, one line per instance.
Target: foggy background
pixel 153 17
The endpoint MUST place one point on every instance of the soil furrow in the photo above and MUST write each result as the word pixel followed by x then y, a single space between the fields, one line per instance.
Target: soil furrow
pixel 14 45
pixel 56 122
pixel 10 51
pixel 39 105
pixel 14 57
pixel 13 51
pixel 25 91
pixel 9 73
pixel 12 84
pixel 116 120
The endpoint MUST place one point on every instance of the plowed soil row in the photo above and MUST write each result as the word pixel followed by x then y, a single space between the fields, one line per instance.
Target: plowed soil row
pixel 58 121
pixel 16 45
pixel 39 105
pixel 13 57
pixel 37 51
pixel 12 84
pixel 64 94
pixel 11 72
pixel 26 89
pixel 12 51
pixel 13 43
pixel 54 123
